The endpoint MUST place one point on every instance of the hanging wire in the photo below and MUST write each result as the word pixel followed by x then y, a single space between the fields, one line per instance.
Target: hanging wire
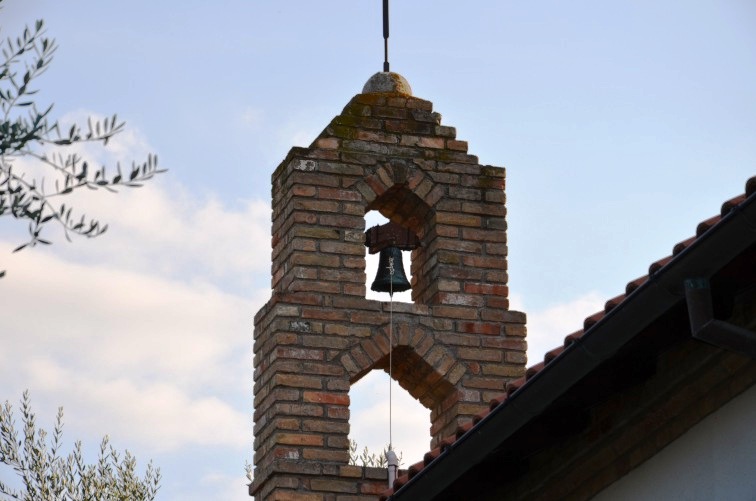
pixel 391 347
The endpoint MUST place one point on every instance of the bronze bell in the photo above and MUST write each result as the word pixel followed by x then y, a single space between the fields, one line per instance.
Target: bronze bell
pixel 390 277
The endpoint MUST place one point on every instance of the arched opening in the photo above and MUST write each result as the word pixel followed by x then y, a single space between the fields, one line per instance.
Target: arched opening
pixel 375 218
pixel 369 419
pixel 401 205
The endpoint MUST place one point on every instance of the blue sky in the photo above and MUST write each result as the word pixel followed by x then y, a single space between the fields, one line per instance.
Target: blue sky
pixel 621 125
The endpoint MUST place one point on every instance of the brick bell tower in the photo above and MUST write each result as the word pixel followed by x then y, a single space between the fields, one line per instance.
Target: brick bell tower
pixel 454 348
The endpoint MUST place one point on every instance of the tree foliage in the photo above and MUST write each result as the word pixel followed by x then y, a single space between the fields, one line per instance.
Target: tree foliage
pixel 48 476
pixel 367 458
pixel 27 131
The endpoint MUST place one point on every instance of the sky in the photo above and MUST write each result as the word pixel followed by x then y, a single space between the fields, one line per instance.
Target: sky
pixel 621 125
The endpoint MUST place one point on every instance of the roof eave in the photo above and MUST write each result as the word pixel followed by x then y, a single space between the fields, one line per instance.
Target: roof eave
pixel 711 251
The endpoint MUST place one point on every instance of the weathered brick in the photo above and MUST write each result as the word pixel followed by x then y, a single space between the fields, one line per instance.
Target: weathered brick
pixel 325 426
pixel 298 381
pixel 326 398
pixel 457 145
pixel 299 353
pixel 488 289
pixel 285 495
pixel 386 112
pixel 408 127
pixel 304 191
pixel 306 439
pixel 458 219
pixel 491 329
pixel 376 136
pixel 332 485
pixel 327 143
pixel 324 314
pixel 480 355
pixel 314 259
pixel 342 248
pixel 453 349
pixel 325 455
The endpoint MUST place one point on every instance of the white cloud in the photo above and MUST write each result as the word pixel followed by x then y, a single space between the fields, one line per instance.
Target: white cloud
pixel 156 415
pixel 162 227
pixel 224 487
pixel 144 333
pixel 147 358
pixel 547 328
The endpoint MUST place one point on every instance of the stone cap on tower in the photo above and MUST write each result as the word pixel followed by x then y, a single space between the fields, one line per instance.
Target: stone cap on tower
pixel 384 81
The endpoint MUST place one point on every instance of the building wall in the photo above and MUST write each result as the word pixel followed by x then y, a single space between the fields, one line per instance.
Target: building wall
pixel 714 460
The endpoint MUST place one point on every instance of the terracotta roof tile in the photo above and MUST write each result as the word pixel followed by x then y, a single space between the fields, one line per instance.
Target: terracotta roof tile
pixel 704 226
pixel 681 246
pixel 478 417
pixel 495 402
pixel 515 385
pixel 461 430
pixel 592 320
pixel 415 469
pixel 400 481
pixel 658 265
pixel 589 322
pixel 571 338
pixel 431 455
pixel 609 305
pixel 631 286
pixel 552 354
pixel 731 204
pixel 533 370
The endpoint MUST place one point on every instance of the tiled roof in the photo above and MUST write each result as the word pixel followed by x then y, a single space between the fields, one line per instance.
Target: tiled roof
pixel 521 385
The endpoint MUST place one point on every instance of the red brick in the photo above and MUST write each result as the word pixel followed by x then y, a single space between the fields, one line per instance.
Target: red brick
pixel 484 262
pixel 283 495
pixel 376 136
pixel 326 455
pixel 457 145
pixel 456 219
pixel 478 354
pixel 286 453
pixel 324 314
pixel 333 485
pixel 303 191
pixel 455 312
pixel 492 329
pixel 338 412
pixel 327 143
pixel 488 289
pixel 299 353
pixel 333 247
pixel 326 398
pixel 299 439
pixel 314 259
pixel 314 286
pixel 374 489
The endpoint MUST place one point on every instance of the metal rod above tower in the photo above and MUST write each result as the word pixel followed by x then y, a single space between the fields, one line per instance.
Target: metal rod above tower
pixel 385 35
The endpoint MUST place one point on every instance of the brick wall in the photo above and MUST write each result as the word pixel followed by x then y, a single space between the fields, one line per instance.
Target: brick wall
pixel 454 348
